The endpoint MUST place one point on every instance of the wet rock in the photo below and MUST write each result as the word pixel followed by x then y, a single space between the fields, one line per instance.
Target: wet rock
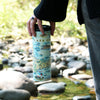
pixel 82 97
pixel 81 76
pixel 51 88
pixel 2 45
pixel 56 58
pixel 24 69
pixel 15 94
pixel 62 49
pixel 90 83
pixel 70 71
pixel 61 66
pixel 76 82
pixel 16 80
pixel 88 66
pixel 14 50
pixel 54 70
pixel 5 61
pixel 22 63
pixel 29 64
pixel 71 58
pixel 80 65
pixel 10 41
pixel 29 75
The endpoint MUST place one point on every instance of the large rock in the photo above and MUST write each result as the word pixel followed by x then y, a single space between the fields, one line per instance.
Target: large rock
pixel 16 80
pixel 51 88
pixel 14 94
pixel 80 65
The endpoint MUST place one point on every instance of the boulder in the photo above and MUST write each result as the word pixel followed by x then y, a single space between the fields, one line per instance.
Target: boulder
pixel 14 94
pixel 16 80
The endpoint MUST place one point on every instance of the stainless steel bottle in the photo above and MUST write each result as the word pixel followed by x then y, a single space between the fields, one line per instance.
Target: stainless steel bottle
pixel 41 55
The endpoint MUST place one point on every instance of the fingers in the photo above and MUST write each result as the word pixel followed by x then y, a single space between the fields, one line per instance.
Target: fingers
pixel 28 27
pixel 32 26
pixel 40 26
pixel 52 24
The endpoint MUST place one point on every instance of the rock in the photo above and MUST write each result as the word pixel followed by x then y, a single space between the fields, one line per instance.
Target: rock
pixel 90 83
pixel 2 45
pixel 82 97
pixel 56 58
pixel 16 80
pixel 54 70
pixel 88 66
pixel 80 65
pixel 28 69
pixel 29 75
pixel 29 64
pixel 81 76
pixel 22 63
pixel 14 50
pixel 71 58
pixel 1 66
pixel 5 61
pixel 62 50
pixel 42 82
pixel 62 83
pixel 51 88
pixel 24 69
pixel 13 60
pixel 14 94
pixel 76 82
pixel 68 72
pixel 61 66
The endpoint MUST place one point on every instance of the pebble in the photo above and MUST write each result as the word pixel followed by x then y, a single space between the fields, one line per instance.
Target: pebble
pixel 51 88
pixel 82 97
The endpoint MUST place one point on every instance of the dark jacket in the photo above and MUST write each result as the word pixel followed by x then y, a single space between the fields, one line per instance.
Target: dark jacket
pixel 55 10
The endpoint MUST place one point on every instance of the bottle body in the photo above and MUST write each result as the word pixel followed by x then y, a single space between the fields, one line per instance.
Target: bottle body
pixel 41 56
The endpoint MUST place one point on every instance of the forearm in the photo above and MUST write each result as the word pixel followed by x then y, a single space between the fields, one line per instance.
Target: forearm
pixel 51 10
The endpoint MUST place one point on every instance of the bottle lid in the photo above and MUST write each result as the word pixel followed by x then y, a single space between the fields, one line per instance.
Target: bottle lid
pixel 45 27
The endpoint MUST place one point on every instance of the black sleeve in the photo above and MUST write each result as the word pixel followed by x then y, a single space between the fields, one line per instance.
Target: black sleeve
pixel 51 10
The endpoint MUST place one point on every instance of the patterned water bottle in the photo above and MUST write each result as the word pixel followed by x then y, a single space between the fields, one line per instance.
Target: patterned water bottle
pixel 41 55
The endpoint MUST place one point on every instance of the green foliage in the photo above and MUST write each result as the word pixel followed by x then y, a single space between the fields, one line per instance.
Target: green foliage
pixel 14 15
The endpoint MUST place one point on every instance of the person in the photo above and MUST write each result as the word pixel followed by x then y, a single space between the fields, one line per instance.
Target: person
pixel 88 12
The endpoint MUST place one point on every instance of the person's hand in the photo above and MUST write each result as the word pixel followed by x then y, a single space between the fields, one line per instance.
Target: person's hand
pixel 31 26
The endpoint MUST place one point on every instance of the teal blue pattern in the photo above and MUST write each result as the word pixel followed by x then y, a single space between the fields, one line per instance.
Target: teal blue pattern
pixel 41 57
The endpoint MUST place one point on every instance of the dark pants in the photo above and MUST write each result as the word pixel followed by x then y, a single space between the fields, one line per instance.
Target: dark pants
pixel 93 35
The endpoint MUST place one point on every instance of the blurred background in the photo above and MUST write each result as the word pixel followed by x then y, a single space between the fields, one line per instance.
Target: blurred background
pixel 15 14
